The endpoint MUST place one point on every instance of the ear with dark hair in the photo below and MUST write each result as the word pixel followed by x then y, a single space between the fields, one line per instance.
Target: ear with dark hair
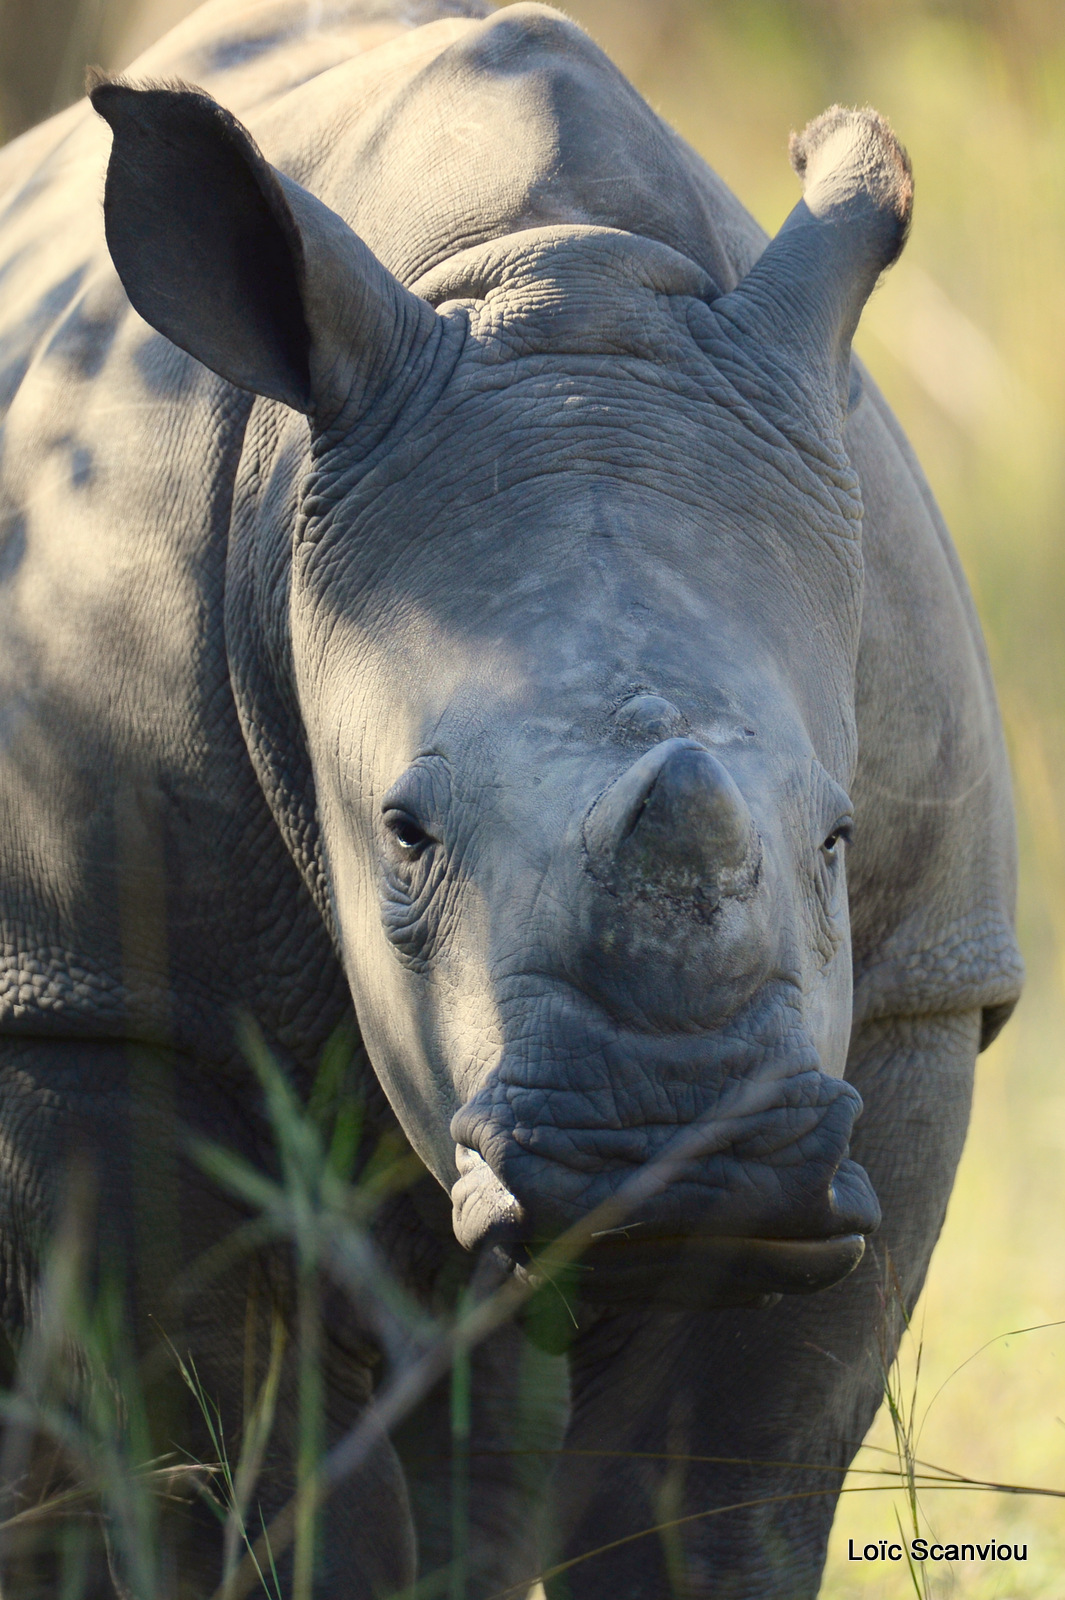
pixel 806 291
pixel 242 267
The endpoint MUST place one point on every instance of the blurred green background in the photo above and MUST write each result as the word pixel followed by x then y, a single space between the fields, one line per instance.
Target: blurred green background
pixel 967 337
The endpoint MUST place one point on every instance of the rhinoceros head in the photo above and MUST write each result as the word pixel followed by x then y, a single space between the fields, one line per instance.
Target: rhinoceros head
pixel 575 592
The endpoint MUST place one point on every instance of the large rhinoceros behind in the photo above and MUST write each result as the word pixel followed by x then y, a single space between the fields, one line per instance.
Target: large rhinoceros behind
pixel 458 602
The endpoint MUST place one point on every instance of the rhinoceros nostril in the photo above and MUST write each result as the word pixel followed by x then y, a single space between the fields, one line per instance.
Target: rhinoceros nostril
pixel 483 1209
pixel 675 820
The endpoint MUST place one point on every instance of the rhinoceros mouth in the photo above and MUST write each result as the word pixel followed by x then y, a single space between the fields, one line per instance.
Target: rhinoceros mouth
pixel 703 1271
pixel 636 1262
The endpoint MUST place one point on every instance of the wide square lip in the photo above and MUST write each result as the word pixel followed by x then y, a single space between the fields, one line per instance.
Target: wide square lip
pixel 695 1271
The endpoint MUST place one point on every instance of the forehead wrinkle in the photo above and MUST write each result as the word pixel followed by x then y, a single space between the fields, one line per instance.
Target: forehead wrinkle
pixel 734 459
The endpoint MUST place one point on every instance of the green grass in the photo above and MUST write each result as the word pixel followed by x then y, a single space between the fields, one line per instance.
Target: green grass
pixel 957 1414
pixel 994 1410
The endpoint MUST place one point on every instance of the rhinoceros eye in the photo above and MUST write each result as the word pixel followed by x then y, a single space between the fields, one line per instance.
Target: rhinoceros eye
pixel 411 838
pixel 838 835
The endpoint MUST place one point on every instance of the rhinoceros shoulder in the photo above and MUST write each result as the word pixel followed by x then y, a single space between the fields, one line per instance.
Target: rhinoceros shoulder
pixel 125 784
pixel 933 869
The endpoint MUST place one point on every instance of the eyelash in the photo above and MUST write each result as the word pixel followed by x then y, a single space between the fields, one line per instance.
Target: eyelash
pixel 842 830
pixel 411 838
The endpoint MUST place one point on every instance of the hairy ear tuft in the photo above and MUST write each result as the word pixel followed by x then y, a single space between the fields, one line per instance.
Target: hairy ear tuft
pixel 849 154
pixel 805 293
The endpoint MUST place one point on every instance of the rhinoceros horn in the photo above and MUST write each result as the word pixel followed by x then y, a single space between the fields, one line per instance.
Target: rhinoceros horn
pixel 240 266
pixel 674 822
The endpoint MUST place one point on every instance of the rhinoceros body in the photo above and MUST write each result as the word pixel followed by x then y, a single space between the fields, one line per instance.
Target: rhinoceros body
pixel 526 698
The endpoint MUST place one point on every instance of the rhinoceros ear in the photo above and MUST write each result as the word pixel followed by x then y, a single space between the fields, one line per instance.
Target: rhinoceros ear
pixel 239 265
pixel 806 291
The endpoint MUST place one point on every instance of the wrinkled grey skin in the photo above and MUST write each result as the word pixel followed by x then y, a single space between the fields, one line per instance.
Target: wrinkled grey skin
pixel 529 692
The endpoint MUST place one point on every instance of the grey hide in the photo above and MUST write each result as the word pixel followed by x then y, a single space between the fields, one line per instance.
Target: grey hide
pixel 476 591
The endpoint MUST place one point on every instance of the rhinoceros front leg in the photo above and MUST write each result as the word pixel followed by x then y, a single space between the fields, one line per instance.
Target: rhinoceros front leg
pixel 781 1397
pixel 482 1507
pixel 96 1154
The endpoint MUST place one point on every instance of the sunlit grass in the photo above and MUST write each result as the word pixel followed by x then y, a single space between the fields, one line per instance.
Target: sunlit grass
pixel 959 1409
pixel 81 1389
pixel 991 1410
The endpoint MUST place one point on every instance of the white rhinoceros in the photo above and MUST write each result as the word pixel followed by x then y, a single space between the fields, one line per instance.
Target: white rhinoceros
pixel 476 587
